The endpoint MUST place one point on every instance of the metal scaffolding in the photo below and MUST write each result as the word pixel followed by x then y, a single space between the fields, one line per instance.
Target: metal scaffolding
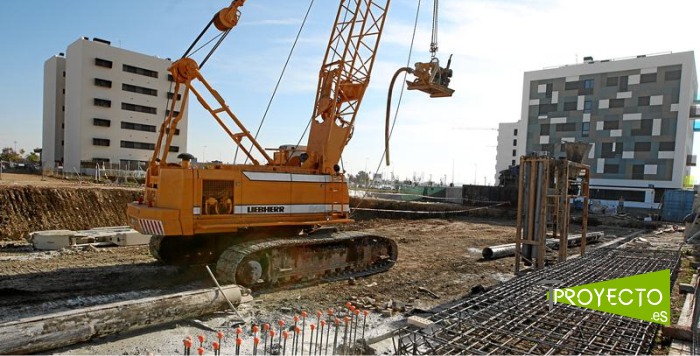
pixel 515 317
pixel 546 187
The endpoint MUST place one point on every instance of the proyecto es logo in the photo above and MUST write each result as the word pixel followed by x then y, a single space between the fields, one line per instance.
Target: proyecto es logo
pixel 643 296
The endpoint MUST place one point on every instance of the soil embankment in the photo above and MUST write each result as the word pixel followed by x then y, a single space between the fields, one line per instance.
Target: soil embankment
pixel 24 209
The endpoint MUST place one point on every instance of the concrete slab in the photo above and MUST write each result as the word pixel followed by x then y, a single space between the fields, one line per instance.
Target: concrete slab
pixel 130 238
pixel 53 239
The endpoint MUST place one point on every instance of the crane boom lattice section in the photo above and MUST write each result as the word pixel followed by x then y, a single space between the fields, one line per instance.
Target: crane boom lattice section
pixel 344 77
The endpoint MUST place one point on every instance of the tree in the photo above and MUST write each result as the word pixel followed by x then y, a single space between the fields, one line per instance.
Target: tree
pixel 362 178
pixel 9 155
pixel 33 157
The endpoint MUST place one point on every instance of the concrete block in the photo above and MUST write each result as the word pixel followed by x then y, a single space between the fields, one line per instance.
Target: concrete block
pixel 131 238
pixel 53 239
pixel 686 288
pixel 419 322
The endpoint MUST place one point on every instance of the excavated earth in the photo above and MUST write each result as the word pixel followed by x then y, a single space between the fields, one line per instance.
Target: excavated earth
pixel 442 255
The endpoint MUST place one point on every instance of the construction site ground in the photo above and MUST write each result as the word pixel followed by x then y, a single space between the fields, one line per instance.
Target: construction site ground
pixel 442 256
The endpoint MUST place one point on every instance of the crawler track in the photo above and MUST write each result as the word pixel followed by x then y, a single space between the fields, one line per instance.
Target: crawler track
pixel 275 263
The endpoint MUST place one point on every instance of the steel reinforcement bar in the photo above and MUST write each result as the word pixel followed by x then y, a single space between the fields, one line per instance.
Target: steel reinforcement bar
pixel 515 317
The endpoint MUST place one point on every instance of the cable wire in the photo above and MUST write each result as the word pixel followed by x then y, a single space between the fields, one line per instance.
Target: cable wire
pixel 398 105
pixel 332 59
pixel 279 80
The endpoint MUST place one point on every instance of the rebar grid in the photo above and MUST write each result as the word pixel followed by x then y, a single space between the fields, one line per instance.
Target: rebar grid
pixel 516 318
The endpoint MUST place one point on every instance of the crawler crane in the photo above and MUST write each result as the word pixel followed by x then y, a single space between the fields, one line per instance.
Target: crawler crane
pixel 265 223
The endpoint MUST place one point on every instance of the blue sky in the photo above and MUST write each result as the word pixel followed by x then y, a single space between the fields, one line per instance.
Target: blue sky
pixel 493 43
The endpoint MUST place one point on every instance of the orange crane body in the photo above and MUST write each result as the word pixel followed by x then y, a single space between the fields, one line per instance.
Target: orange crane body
pixel 260 222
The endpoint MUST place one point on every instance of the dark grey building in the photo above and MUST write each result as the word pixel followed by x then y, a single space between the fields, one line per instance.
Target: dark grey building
pixel 637 113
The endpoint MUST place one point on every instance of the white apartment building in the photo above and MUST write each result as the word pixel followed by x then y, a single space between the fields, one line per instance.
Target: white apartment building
pixel 105 105
pixel 511 145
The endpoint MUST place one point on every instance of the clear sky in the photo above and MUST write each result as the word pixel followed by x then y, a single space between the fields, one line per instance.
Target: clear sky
pixel 493 42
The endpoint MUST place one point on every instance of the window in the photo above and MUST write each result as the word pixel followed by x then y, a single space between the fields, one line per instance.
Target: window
pixel 623 83
pixel 544 129
pixel 572 85
pixel 515 142
pixel 137 145
pixel 64 74
pixel 64 90
pixel 645 128
pixel 177 131
pixel 611 125
pixel 174 149
pixel 103 63
pixel 140 71
pixel 100 142
pixel 643 101
pixel 175 113
pixel 588 84
pixel 638 171
pixel 515 132
pixel 642 146
pixel 667 146
pixel 673 75
pixel 611 168
pixel 614 194
pixel 547 148
pixel 570 106
pixel 138 127
pixel 612 81
pixel 100 160
pixel 648 78
pixel 170 78
pixel 139 108
pixel 571 126
pixel 101 122
pixel 63 108
pixel 514 153
pixel 585 129
pixel 546 108
pixel 512 162
pixel 103 103
pixel 103 83
pixel 171 95
pixel 140 90
pixel 617 103
pixel 607 149
pixel 587 105
pixel 548 91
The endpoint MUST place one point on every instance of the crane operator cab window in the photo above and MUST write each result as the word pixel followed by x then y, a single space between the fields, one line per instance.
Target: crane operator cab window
pixel 217 197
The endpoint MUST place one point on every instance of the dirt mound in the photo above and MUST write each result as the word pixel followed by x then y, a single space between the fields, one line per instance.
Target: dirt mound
pixel 24 209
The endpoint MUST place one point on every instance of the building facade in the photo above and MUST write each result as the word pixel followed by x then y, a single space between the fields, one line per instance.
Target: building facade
pixel 510 146
pixel 105 105
pixel 637 114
